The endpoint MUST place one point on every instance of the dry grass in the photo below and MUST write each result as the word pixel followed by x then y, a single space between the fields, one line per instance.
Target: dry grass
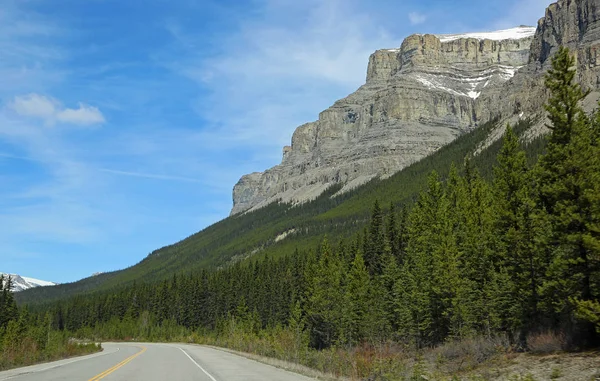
pixel 457 356
pixel 287 365
pixel 546 342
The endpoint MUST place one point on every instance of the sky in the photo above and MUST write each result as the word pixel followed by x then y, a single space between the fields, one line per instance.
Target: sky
pixel 125 124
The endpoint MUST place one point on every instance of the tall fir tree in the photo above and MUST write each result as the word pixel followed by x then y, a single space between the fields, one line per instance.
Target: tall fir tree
pixel 567 194
pixel 392 234
pixel 374 243
pixel 324 298
pixel 520 252
pixel 356 302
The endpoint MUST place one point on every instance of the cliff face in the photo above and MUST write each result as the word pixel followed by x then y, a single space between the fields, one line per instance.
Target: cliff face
pixel 420 97
pixel 575 24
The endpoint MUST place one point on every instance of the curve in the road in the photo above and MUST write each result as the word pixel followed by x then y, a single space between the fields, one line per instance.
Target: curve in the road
pixel 154 362
pixel 114 368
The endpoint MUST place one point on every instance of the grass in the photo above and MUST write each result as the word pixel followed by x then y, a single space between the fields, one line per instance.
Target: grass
pixel 546 342
pixel 26 352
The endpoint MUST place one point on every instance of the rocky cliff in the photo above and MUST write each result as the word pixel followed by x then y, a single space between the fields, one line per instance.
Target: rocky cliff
pixel 420 97
pixel 575 24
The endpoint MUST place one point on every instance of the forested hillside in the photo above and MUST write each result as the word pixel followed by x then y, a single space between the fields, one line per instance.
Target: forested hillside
pixel 505 251
pixel 253 235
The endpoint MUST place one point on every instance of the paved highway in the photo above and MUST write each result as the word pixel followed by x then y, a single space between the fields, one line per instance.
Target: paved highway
pixel 153 362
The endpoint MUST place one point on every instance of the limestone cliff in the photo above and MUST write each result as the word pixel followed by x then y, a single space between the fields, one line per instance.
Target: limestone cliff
pixel 420 97
pixel 575 24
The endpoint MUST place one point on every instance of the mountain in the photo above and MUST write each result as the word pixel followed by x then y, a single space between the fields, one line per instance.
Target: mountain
pixel 21 283
pixel 436 100
pixel 416 99
pixel 423 95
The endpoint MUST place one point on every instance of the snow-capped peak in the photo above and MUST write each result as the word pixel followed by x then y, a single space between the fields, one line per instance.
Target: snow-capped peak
pixel 499 35
pixel 20 283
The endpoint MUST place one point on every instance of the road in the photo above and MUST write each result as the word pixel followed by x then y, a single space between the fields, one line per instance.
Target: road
pixel 153 362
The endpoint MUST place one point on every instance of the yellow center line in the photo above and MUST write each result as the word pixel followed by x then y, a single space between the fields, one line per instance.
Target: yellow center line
pixel 119 365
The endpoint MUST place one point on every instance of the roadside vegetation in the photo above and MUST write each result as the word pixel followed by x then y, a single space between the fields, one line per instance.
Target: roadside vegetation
pixel 27 339
pixel 478 269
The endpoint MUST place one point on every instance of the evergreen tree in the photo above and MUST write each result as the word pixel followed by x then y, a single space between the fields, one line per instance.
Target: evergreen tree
pixel 392 233
pixel 429 272
pixel 324 298
pixel 389 279
pixel 357 302
pixel 520 251
pixel 8 306
pixel 374 244
pixel 402 233
pixel 568 193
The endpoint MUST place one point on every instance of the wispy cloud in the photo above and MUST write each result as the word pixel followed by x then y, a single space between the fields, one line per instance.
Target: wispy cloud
pixel 416 18
pixel 151 176
pixel 278 70
pixel 29 52
pixel 51 111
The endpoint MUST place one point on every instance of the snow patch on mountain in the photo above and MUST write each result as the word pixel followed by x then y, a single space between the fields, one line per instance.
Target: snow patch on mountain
pixel 459 84
pixel 499 35
pixel 20 283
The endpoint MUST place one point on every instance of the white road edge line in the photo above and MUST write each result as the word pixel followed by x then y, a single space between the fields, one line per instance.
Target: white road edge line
pixel 77 360
pixel 88 357
pixel 198 365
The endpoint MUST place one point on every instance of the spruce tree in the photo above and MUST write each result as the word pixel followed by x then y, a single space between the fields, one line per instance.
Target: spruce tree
pixel 324 299
pixel 568 193
pixel 426 287
pixel 357 301
pixel 375 241
pixel 8 306
pixel 519 251
pixel 392 233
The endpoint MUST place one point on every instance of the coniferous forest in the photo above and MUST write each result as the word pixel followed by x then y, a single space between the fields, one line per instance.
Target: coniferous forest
pixel 27 338
pixel 506 259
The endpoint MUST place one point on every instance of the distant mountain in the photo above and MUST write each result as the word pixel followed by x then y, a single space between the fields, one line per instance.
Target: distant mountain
pixel 20 283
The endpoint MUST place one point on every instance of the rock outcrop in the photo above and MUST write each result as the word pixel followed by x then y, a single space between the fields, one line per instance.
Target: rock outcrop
pixel 575 24
pixel 420 97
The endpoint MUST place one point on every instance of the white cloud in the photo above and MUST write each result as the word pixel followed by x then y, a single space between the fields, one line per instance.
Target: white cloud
pixel 35 105
pixel 51 111
pixel 417 18
pixel 84 115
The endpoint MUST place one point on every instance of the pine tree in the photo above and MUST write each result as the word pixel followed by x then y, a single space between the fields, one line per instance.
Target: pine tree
pixel 568 192
pixel 324 298
pixel 427 282
pixel 389 279
pixel 402 233
pixel 520 252
pixel 375 241
pixel 392 233
pixel 8 306
pixel 357 301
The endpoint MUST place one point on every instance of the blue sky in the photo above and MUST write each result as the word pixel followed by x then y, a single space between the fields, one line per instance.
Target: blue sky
pixel 125 124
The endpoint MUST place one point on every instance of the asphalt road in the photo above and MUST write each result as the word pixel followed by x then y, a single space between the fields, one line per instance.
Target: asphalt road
pixel 153 362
